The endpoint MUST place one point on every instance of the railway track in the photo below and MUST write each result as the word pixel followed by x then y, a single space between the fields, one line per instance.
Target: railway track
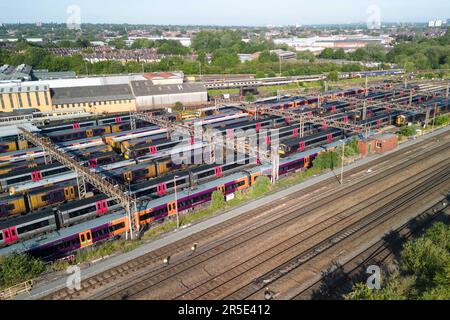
pixel 379 216
pixel 339 279
pixel 120 272
pixel 151 281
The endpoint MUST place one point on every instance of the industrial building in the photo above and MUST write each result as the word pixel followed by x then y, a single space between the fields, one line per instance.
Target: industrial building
pixel 97 99
pixel 19 97
pixel 150 96
pixel 121 93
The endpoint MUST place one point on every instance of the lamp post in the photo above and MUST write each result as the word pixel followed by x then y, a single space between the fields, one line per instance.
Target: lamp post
pixel 342 162
pixel 176 201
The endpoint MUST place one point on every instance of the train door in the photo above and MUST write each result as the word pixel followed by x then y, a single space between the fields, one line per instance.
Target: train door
pixel 67 193
pixel 301 145
pixel 307 162
pixel 36 176
pixel 10 235
pixel 89 133
pixel 329 137
pixel 85 238
pixel 101 206
pixel 221 188
pixel 172 208
pixel 128 176
pixel 161 189
pixel 153 150
pixel 218 172
pixel 93 163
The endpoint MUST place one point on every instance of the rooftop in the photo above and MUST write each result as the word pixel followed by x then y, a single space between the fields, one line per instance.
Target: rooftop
pixel 147 88
pixel 91 94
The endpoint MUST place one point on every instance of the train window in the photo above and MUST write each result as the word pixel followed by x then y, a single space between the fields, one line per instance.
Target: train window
pixel 88 236
pixel 83 239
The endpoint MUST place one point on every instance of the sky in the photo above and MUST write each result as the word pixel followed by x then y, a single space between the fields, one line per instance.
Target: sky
pixel 224 12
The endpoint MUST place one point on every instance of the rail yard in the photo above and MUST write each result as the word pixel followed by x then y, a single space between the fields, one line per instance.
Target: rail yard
pixel 69 186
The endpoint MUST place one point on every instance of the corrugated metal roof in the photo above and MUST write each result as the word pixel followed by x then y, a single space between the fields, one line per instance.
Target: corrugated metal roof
pixel 91 94
pixel 147 88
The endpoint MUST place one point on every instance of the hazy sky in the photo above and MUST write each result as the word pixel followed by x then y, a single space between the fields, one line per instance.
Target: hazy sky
pixel 223 12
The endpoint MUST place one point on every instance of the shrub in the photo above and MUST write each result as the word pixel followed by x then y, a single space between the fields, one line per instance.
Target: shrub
pixel 217 201
pixel 16 268
pixel 261 186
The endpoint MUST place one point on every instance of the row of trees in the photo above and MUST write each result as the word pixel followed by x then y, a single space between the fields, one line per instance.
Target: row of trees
pixel 222 62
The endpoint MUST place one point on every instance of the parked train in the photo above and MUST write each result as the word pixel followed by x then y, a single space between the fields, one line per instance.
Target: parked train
pixel 68 240
pixel 66 215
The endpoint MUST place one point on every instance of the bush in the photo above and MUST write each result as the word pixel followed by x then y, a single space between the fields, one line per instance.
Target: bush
pixel 217 201
pixel 261 186
pixel 327 160
pixel 408 131
pixel 16 268
pixel 442 120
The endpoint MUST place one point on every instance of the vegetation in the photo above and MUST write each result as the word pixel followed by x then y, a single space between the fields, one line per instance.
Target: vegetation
pixel 327 160
pixel 17 268
pixel 424 271
pixel 408 131
pixel 442 120
pixel 217 201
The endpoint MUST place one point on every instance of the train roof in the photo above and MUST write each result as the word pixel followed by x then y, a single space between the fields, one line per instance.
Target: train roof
pixel 29 170
pixel 69 131
pixel 14 221
pixel 78 203
pixel 41 183
pixel 293 141
pixel 143 205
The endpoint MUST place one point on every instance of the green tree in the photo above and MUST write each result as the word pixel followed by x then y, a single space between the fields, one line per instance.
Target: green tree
pixel 327 54
pixel 16 268
pixel 326 160
pixel 333 76
pixel 249 97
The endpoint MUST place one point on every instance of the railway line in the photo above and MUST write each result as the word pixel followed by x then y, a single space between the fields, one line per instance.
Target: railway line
pixel 423 185
pixel 92 287
pixel 339 279
pixel 221 286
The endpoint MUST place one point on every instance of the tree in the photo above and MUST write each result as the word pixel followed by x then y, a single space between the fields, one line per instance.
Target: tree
pixel 333 76
pixel 339 54
pixel 326 54
pixel 17 267
pixel 249 97
pixel 118 43
pixel 266 56
pixel 225 59
pixel 326 160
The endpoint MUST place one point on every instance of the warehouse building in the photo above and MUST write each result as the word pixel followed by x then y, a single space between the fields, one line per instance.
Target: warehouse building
pixel 150 96
pixel 98 99
pixel 19 97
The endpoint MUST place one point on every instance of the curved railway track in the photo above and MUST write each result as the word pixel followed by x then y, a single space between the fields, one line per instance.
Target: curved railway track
pixel 92 284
